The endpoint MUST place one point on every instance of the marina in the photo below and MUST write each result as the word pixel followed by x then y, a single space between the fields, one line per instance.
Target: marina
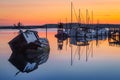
pixel 60 40
pixel 72 58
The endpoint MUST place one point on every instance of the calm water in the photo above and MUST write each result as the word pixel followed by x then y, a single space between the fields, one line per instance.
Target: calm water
pixel 99 60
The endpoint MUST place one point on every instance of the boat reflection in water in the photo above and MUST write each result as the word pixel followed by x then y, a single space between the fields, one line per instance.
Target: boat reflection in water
pixel 60 41
pixel 81 45
pixel 61 36
pixel 29 60
pixel 28 51
pixel 114 40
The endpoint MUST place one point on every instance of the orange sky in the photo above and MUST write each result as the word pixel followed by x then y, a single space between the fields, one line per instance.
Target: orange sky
pixel 37 12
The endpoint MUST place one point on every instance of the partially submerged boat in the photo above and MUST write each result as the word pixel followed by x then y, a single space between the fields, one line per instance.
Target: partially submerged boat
pixel 28 51
pixel 28 40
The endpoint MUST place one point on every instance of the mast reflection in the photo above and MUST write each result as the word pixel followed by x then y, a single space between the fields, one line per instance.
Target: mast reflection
pixel 80 46
pixel 80 43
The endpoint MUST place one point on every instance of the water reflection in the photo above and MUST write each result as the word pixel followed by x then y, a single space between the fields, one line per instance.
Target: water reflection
pixel 114 40
pixel 29 60
pixel 28 51
pixel 60 41
pixel 102 60
pixel 80 45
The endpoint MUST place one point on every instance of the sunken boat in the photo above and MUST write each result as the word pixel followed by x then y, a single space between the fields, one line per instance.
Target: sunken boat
pixel 28 40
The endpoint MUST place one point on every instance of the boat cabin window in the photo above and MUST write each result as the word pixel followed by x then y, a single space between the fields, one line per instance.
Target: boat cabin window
pixel 30 37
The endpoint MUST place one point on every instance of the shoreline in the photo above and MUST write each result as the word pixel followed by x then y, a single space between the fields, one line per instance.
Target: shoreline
pixel 64 26
pixel 26 27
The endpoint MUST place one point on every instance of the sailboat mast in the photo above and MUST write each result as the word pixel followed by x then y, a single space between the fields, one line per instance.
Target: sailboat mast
pixel 46 31
pixel 79 21
pixel 71 14
pixel 92 17
pixel 86 16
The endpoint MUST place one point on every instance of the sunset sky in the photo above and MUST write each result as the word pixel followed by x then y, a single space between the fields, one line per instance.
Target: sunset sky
pixel 38 12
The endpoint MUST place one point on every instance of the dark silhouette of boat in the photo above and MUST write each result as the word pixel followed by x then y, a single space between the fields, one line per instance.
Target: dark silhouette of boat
pixel 28 51
pixel 81 41
pixel 61 33
pixel 27 40
pixel 30 60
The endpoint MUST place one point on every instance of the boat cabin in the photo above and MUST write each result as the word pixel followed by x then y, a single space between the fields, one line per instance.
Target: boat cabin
pixel 20 42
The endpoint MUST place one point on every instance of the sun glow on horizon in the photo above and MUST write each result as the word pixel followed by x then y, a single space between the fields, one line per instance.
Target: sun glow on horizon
pixel 38 12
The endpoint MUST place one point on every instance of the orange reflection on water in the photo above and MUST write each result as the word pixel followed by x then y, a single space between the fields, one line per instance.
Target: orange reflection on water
pixel 101 48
